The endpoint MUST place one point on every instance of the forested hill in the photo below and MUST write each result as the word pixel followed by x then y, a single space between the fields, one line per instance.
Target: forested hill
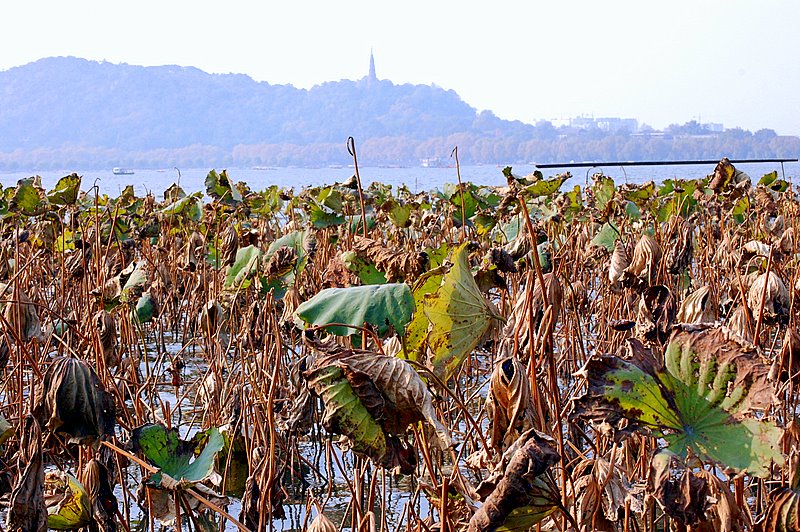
pixel 68 101
pixel 72 113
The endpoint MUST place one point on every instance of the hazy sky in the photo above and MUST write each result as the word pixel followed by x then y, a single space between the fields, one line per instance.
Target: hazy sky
pixel 735 62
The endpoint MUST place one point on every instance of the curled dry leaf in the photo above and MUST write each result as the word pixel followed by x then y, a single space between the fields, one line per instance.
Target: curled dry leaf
pixel 228 245
pixel 27 510
pixel 281 262
pixel 741 323
pixel 372 399
pixel 19 312
pixel 525 320
pixel 697 307
pixel 680 256
pixel 396 265
pixel 321 523
pixel 509 404
pixel 646 258
pixel 776 297
pixel 619 262
pixel 576 296
pixel 724 515
pixel 106 329
pixel 786 365
pixel 681 494
pixel 656 314
pixel 601 493
pixel 67 502
pixel 700 396
pixel 195 252
pixel 97 481
pixel 503 260
pixel 520 492
pixel 73 401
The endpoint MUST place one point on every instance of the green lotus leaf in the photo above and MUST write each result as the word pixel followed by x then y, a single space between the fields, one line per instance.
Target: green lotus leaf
pixel 606 237
pixel 321 218
pixel 345 412
pixel 700 398
pixel 66 190
pixel 187 462
pixel 27 198
pixel 459 316
pixel 382 306
pixel 740 208
pixel 417 330
pixel 189 206
pixel 331 198
pixel 146 308
pixel 366 271
pixel 768 179
pixel 219 187
pixel 400 215
pixel 603 189
pixel 244 266
pixel 546 187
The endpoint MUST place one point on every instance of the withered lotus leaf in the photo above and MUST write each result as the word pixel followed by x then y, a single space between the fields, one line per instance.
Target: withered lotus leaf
pixel 321 523
pixel 698 397
pixel 646 258
pixel 775 294
pixel 27 511
pixel 619 262
pixel 372 399
pixel 396 265
pixel 20 314
pixel 697 307
pixel 509 404
pixel 68 505
pixel 73 401
pixel 681 493
pixel 97 481
pixel 520 491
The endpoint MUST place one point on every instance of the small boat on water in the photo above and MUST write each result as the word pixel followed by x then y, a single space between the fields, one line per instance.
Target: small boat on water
pixel 121 171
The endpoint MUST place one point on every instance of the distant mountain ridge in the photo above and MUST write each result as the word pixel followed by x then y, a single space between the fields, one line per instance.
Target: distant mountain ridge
pixel 68 113
pixel 65 101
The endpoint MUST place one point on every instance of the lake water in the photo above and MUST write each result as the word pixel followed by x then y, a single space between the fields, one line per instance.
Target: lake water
pixel 416 178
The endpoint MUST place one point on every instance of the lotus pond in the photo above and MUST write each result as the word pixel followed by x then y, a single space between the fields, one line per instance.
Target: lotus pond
pixel 609 357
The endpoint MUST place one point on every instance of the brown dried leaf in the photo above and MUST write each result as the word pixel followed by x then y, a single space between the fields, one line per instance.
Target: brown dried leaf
pixel 517 482
pixel 27 511
pixel 228 246
pixel 787 364
pixel 619 262
pixel 656 314
pixel 697 307
pixel 73 401
pixel 681 494
pixel 509 404
pixel 776 298
pixel 106 329
pixel 100 488
pixel 19 313
pixel 646 258
pixel 724 515
pixel 396 265
pixel 405 394
pixel 281 262
pixel 679 257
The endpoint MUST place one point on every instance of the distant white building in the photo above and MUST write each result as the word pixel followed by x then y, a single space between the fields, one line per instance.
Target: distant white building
pixel 713 127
